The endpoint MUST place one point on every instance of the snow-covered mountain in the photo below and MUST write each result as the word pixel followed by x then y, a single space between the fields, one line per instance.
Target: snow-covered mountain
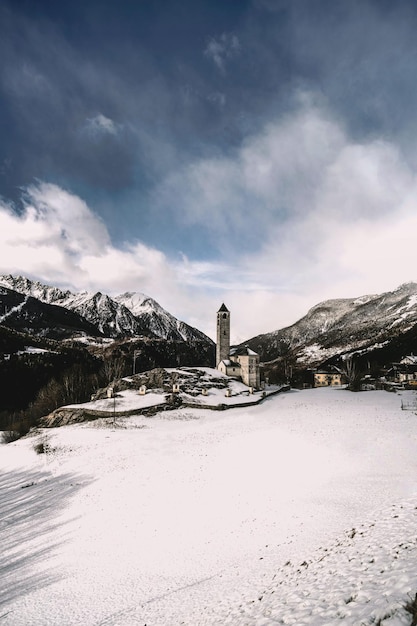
pixel 127 315
pixel 112 318
pixel 340 326
pixel 35 289
pixel 27 314
pixel 157 319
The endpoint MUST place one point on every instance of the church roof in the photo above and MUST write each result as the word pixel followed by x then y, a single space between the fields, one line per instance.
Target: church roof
pixel 242 350
pixel 223 308
pixel 230 363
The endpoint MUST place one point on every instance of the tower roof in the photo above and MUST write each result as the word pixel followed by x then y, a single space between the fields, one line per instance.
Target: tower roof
pixel 223 308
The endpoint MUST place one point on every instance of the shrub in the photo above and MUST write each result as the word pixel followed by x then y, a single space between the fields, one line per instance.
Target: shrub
pixel 40 447
pixel 411 608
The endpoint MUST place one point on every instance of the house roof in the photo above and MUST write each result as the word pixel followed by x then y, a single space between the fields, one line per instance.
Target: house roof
pixel 328 369
pixel 230 363
pixel 243 350
pixel 411 359
pixel 404 369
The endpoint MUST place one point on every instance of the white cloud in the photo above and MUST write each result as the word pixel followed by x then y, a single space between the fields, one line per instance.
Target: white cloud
pixel 59 238
pixel 274 174
pixel 337 218
pixel 53 231
pixel 222 49
pixel 100 124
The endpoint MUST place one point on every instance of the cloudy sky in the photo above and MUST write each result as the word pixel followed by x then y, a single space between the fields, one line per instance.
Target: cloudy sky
pixel 261 153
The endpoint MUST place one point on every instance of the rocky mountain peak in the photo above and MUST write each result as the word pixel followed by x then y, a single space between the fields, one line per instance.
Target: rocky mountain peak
pixel 129 315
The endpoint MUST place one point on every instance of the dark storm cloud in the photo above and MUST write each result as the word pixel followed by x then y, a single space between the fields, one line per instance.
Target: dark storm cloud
pixel 182 81
pixel 137 65
pixel 363 57
pixel 48 91
pixel 360 55
pixel 141 67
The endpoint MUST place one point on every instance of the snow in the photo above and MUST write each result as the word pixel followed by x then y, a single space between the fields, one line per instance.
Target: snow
pixel 32 350
pixel 124 401
pixel 313 352
pixel 130 400
pixel 137 302
pixel 408 310
pixel 13 310
pixel 92 341
pixel 300 510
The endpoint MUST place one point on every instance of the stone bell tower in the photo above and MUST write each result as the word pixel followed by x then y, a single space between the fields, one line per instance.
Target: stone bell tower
pixel 223 334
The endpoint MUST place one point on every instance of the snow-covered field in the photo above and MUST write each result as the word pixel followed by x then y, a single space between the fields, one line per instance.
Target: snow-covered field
pixel 301 510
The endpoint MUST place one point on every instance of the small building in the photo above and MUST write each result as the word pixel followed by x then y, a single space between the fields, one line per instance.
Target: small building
pixel 249 364
pixel 405 371
pixel 328 376
pixel 411 359
pixel 230 368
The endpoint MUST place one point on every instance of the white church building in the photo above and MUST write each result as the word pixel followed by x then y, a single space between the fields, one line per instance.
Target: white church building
pixel 241 362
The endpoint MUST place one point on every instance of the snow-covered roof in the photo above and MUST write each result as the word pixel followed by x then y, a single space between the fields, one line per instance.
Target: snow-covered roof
pixel 242 351
pixel 328 369
pixel 230 363
pixel 411 359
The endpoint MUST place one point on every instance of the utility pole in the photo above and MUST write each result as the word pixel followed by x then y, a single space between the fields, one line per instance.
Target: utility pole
pixel 135 353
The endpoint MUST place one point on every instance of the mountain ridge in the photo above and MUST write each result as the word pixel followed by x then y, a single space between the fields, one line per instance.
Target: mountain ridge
pixel 27 314
pixel 111 315
pixel 341 326
pixel 331 328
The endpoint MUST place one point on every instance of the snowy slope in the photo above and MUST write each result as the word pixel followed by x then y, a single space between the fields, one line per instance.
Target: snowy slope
pixel 157 319
pixel 367 576
pixel 113 319
pixel 336 326
pixel 10 312
pixel 298 511
pixel 29 315
pixel 44 293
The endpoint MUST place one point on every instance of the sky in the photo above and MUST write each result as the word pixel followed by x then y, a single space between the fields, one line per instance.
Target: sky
pixel 260 153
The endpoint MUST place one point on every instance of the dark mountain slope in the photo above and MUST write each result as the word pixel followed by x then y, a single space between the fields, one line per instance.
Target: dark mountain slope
pixel 29 315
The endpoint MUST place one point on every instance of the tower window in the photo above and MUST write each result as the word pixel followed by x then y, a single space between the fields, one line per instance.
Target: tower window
pixel 224 316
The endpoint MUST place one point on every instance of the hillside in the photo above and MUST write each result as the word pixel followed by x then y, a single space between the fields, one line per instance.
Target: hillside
pixel 337 327
pixel 29 315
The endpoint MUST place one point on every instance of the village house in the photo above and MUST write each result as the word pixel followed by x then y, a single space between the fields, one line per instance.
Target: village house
pixel 328 376
pixel 405 371
pixel 242 363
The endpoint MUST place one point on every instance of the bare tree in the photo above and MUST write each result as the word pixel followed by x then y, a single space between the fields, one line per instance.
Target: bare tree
pixel 76 385
pixel 113 369
pixel 353 373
